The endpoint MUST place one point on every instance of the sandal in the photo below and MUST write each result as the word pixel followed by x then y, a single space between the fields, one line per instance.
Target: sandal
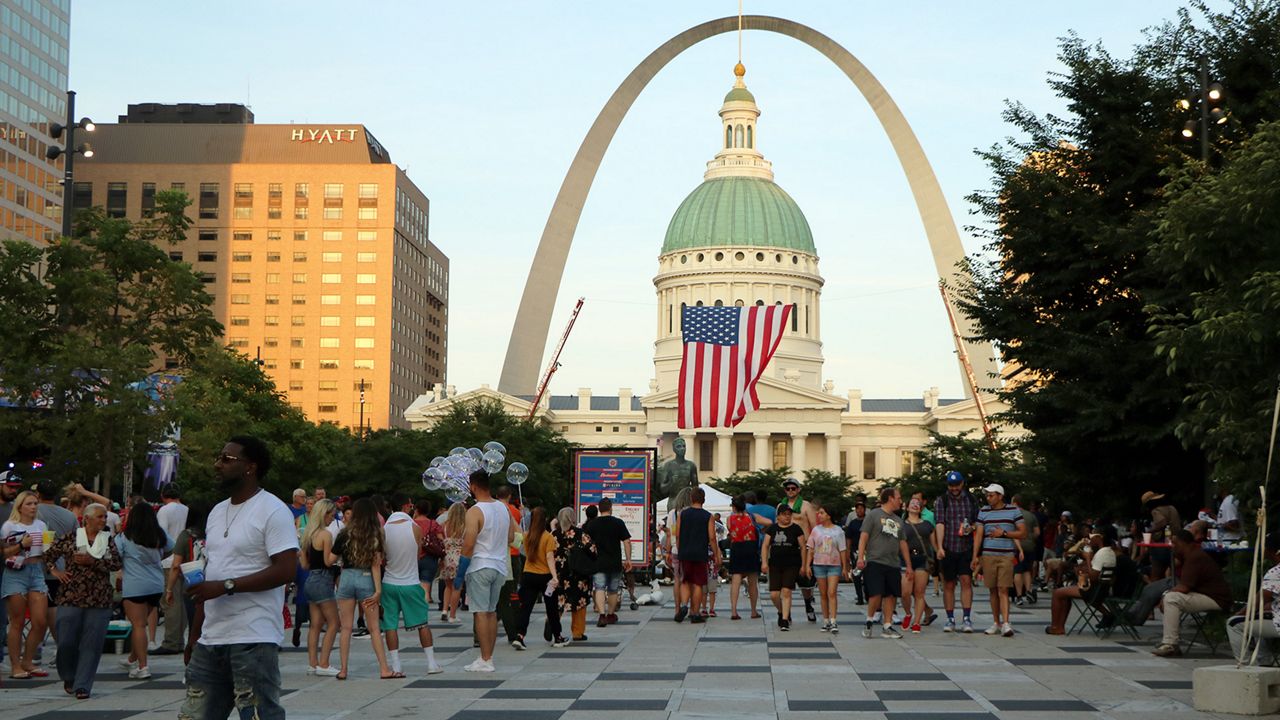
pixel 392 676
pixel 20 676
pixel 756 616
pixel 82 694
pixel 39 674
pixel 342 675
pixel 735 616
pixel 66 688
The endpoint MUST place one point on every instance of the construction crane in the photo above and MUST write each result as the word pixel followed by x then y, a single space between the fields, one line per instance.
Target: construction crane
pixel 968 366
pixel 555 360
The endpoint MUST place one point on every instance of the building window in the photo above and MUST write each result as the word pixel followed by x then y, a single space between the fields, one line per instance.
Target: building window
pixel 273 278
pixel 239 320
pixel 295 385
pixel 908 462
pixel 239 299
pixel 366 257
pixel 82 198
pixel 333 190
pixel 364 299
pixel 330 299
pixel 333 213
pixel 148 199
pixel 295 365
pixel 207 256
pixel 364 321
pixel 364 343
pixel 844 462
pixel 368 190
pixel 298 320
pixel 240 278
pixel 330 321
pixel 299 278
pixel 366 235
pixel 328 385
pixel 270 342
pixel 364 364
pixel 242 236
pixel 332 236
pixel 869 465
pixel 299 257
pixel 706 455
pixel 331 257
pixel 271 320
pixel 175 255
pixel 208 201
pixel 301 190
pixel 331 278
pixel 299 235
pixel 273 236
pixel 241 257
pixel 273 257
pixel 244 213
pixel 327 408
pixel 364 213
pixel 779 454
pixel 329 342
pixel 299 299
pixel 743 452
pixel 272 300
pixel 329 364
pixel 239 342
pixel 275 191
pixel 366 279
pixel 207 235
pixel 297 342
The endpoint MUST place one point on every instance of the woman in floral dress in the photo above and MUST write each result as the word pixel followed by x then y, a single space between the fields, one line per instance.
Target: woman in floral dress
pixel 454 527
pixel 574 590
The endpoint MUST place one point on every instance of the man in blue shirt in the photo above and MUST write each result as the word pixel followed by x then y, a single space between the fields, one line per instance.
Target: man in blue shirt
pixel 995 544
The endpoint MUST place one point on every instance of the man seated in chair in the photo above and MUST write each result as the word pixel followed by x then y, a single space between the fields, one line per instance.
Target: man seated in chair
pixel 1268 631
pixel 1201 587
pixel 1097 556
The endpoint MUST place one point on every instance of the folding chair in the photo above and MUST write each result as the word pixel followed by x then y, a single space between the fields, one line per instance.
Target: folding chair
pixel 1204 622
pixel 1118 609
pixel 1089 608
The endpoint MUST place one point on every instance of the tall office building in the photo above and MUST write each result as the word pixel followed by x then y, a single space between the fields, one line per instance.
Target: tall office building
pixel 313 243
pixel 34 37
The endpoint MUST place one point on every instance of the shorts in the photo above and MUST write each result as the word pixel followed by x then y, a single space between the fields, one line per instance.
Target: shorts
pixel 407 600
pixel 428 566
pixel 881 580
pixel 484 587
pixel 26 579
pixel 783 576
pixel 1023 565
pixel 826 571
pixel 955 564
pixel 153 600
pixel 319 587
pixel 355 584
pixel 607 581
pixel 693 572
pixel 997 571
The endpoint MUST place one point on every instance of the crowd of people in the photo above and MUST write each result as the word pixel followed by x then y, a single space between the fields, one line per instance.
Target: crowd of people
pixel 223 577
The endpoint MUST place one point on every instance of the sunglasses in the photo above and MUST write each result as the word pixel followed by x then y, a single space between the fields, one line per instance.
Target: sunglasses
pixel 225 458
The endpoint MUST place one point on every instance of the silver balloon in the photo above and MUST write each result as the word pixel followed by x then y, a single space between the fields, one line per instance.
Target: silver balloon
pixel 475 454
pixel 436 461
pixel 458 451
pixel 456 495
pixel 429 482
pixel 493 461
pixel 517 473
pixel 495 445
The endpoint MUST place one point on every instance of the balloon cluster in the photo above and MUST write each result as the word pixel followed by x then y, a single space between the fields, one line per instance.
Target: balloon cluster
pixel 452 474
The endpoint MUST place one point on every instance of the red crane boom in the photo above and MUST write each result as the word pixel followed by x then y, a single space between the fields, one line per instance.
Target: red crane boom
pixel 555 360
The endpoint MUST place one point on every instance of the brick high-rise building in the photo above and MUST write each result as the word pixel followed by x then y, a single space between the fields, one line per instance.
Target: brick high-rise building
pixel 313 243
pixel 34 39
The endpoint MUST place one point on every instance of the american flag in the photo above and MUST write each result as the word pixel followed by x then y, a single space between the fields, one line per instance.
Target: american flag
pixel 726 350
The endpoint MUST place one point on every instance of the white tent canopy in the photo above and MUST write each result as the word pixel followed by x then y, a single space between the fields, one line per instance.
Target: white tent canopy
pixel 717 502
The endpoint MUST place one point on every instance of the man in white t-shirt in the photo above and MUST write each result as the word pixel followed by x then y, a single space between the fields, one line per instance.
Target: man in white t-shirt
pixel 484 564
pixel 172 517
pixel 1229 528
pixel 251 549
pixel 402 594
pixel 1099 555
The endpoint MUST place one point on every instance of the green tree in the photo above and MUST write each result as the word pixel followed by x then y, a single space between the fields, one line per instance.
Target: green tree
pixel 765 483
pixel 833 491
pixel 85 320
pixel 1215 242
pixel 1064 286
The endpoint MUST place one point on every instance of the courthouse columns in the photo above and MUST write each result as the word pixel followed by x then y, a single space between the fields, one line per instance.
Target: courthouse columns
pixel 799 463
pixel 762 452
pixel 833 453
pixel 724 453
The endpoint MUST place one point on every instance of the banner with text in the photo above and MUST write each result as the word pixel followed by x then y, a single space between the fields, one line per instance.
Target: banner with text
pixel 625 477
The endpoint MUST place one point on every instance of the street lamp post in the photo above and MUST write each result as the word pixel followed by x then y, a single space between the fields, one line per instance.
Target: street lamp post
pixel 71 149
pixel 361 409
pixel 1210 110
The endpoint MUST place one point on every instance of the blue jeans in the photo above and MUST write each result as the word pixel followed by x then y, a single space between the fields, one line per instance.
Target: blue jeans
pixel 244 676
pixel 81 634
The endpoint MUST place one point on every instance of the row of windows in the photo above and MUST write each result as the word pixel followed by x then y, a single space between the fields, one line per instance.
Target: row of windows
pixel 325 364
pixel 298 278
pixel 299 256
pixel 734 137
pixel 42 12
pixel 330 386
pixel 54 47
pixel 23 83
pixel 302 300
pixel 19 109
pixel 300 320
pixel 739 256
pixel 325 342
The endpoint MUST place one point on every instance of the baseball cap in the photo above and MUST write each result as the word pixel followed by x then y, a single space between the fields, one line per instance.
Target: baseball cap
pixel 783 508
pixel 10 478
pixel 994 488
pixel 790 481
pixel 954 477
pixel 1066 514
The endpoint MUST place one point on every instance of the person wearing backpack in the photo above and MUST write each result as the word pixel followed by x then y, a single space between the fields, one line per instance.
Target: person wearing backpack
pixel 956 512
pixel 432 544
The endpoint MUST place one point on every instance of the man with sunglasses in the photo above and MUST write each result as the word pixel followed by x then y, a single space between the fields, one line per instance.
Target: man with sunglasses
pixel 807 518
pixel 251 551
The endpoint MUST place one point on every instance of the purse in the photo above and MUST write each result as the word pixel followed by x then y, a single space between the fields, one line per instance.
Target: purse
pixel 433 545
pixel 930 562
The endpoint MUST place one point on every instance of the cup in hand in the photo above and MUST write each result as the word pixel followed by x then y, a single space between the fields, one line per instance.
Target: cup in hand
pixel 1146 538
pixel 193 572
pixel 47 537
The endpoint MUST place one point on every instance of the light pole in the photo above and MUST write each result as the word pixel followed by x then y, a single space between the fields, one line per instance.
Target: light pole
pixel 68 186
pixel 1210 110
pixel 361 409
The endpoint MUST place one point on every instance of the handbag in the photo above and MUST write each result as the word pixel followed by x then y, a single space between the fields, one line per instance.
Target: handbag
pixel 433 545
pixel 930 562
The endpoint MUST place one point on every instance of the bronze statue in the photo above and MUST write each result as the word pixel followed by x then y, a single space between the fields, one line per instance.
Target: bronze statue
pixel 677 472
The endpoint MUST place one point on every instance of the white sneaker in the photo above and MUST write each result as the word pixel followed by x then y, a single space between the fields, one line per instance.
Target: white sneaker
pixel 140 673
pixel 128 664
pixel 480 666
pixel 1006 630
pixel 326 671
pixel 311 669
pixel 993 630
pixel 891 632
pixel 866 631
pixel 967 627
pixel 826 625
pixel 834 629
pixel 434 669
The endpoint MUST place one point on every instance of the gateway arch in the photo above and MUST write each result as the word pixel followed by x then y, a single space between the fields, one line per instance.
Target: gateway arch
pixel 533 319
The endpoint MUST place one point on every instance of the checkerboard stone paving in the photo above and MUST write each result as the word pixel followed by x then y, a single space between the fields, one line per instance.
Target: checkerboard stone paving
pixel 648 667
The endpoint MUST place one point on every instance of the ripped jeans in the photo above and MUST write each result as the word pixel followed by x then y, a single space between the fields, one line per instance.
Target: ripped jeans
pixel 243 676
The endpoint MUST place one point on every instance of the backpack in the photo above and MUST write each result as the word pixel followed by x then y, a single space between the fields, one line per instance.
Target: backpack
pixel 433 545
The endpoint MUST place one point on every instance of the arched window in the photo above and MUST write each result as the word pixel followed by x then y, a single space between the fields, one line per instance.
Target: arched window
pixel 738 137
pixel 699 303
pixel 728 136
pixel 738 303
pixel 759 303
pixel 750 140
pixel 719 303
pixel 795 320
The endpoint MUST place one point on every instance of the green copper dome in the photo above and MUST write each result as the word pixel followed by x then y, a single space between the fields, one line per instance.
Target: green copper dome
pixel 740 94
pixel 739 211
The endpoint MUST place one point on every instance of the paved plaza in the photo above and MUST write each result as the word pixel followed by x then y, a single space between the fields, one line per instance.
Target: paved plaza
pixel 647 667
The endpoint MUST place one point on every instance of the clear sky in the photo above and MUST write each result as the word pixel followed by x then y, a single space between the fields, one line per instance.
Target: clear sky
pixel 484 104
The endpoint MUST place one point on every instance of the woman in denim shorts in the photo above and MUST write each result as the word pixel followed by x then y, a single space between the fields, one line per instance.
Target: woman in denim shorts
pixel 23 586
pixel 362 546
pixel 318 558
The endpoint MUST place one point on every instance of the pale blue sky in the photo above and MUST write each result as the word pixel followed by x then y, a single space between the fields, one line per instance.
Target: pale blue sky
pixel 485 104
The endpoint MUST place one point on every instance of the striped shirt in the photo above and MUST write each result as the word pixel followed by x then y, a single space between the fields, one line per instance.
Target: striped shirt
pixel 1008 519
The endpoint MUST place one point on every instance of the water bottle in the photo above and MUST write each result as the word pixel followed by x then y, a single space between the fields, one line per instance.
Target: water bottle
pixel 966 528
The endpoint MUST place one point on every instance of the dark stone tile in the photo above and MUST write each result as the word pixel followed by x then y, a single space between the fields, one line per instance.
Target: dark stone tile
pixel 1166 684
pixel 445 681
pixel 835 705
pixel 911 695
pixel 1095 649
pixel 595 643
pixel 743 639
pixel 113 677
pixel 154 684
pixel 85 714
pixel 531 694
pixel 507 715
pixel 935 716
pixel 626 622
pixel 570 655
pixel 628 704
pixel 801 644
pixel 728 669
pixel 1043 705
pixel 940 716
pixel 902 676
pixel 1031 662
pixel 804 656
pixel 452 648
pixel 632 676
